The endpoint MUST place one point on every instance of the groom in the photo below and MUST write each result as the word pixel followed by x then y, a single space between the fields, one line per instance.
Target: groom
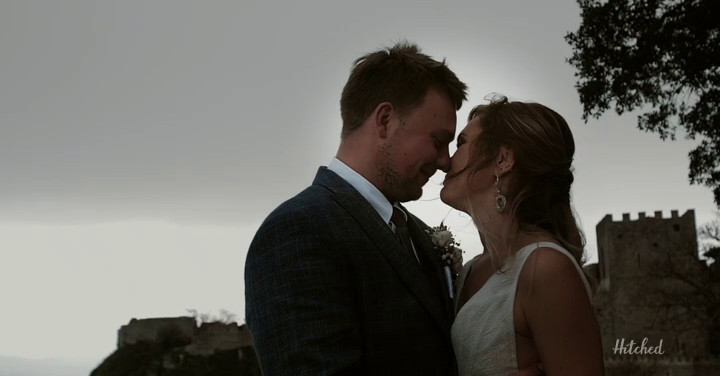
pixel 342 279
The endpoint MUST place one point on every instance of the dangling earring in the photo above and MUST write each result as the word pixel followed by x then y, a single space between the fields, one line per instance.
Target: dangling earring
pixel 500 199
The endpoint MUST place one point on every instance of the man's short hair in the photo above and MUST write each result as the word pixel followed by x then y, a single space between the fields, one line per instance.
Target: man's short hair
pixel 400 75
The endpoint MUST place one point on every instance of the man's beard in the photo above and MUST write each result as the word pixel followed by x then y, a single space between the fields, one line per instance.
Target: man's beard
pixel 392 185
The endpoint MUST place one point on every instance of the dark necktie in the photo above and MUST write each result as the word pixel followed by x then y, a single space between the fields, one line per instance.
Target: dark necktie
pixel 401 230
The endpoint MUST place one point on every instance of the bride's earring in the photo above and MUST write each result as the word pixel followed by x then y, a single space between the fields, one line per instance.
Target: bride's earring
pixel 500 199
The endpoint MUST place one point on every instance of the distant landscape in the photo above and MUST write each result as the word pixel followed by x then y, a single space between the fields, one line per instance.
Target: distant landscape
pixel 14 366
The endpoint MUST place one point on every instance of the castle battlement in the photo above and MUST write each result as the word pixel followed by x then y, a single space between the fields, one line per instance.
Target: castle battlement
pixel 634 245
pixel 642 216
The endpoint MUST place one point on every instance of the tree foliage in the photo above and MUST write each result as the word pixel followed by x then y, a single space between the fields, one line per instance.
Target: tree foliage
pixel 709 236
pixel 661 57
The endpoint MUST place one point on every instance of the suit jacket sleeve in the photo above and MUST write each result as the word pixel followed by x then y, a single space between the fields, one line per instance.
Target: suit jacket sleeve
pixel 299 298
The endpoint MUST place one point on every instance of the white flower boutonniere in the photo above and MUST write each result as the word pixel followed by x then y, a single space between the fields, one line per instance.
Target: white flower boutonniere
pixel 449 252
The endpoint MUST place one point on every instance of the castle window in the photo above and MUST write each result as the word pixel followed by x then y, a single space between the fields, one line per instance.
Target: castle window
pixel 676 227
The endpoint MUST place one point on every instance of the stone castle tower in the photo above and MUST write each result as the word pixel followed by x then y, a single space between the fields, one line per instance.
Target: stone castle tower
pixel 632 248
pixel 646 288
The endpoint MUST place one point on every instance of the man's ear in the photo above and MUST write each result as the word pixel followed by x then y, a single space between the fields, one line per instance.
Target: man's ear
pixel 505 161
pixel 381 117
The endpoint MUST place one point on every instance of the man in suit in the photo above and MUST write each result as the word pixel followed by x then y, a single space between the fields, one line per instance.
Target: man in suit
pixel 333 282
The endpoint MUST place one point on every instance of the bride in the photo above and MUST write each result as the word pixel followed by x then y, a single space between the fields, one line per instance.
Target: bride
pixel 525 299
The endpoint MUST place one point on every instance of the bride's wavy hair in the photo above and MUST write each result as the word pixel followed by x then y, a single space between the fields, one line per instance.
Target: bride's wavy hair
pixel 538 188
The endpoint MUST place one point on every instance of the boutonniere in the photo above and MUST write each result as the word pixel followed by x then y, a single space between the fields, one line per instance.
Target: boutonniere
pixel 449 252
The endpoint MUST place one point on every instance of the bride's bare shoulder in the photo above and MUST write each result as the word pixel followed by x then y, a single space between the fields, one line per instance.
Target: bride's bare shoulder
pixel 549 273
pixel 557 312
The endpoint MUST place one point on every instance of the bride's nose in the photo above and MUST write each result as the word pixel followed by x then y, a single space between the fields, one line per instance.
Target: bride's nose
pixel 443 162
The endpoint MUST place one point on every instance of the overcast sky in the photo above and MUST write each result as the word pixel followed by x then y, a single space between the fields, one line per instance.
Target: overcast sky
pixel 142 143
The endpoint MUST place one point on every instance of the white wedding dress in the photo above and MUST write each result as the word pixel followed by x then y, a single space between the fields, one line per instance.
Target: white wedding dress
pixel 483 334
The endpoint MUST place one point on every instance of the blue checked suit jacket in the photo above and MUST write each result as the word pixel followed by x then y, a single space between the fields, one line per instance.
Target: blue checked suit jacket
pixel 329 290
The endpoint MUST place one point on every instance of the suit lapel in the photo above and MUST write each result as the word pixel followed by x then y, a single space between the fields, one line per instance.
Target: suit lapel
pixel 380 234
pixel 424 245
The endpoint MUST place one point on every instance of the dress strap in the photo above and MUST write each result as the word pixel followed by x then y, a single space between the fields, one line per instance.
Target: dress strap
pixel 566 253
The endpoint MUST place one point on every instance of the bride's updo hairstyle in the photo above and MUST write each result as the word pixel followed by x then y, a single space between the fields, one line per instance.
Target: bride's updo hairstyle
pixel 538 187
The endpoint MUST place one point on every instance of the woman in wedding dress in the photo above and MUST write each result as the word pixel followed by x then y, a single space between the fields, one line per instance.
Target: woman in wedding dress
pixel 525 299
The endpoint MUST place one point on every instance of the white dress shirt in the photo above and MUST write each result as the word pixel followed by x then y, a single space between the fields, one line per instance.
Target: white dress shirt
pixel 373 195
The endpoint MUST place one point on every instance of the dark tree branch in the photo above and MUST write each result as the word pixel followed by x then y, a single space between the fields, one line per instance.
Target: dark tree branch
pixel 659 56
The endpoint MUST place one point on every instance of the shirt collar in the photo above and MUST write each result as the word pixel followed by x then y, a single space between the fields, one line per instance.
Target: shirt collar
pixel 378 201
